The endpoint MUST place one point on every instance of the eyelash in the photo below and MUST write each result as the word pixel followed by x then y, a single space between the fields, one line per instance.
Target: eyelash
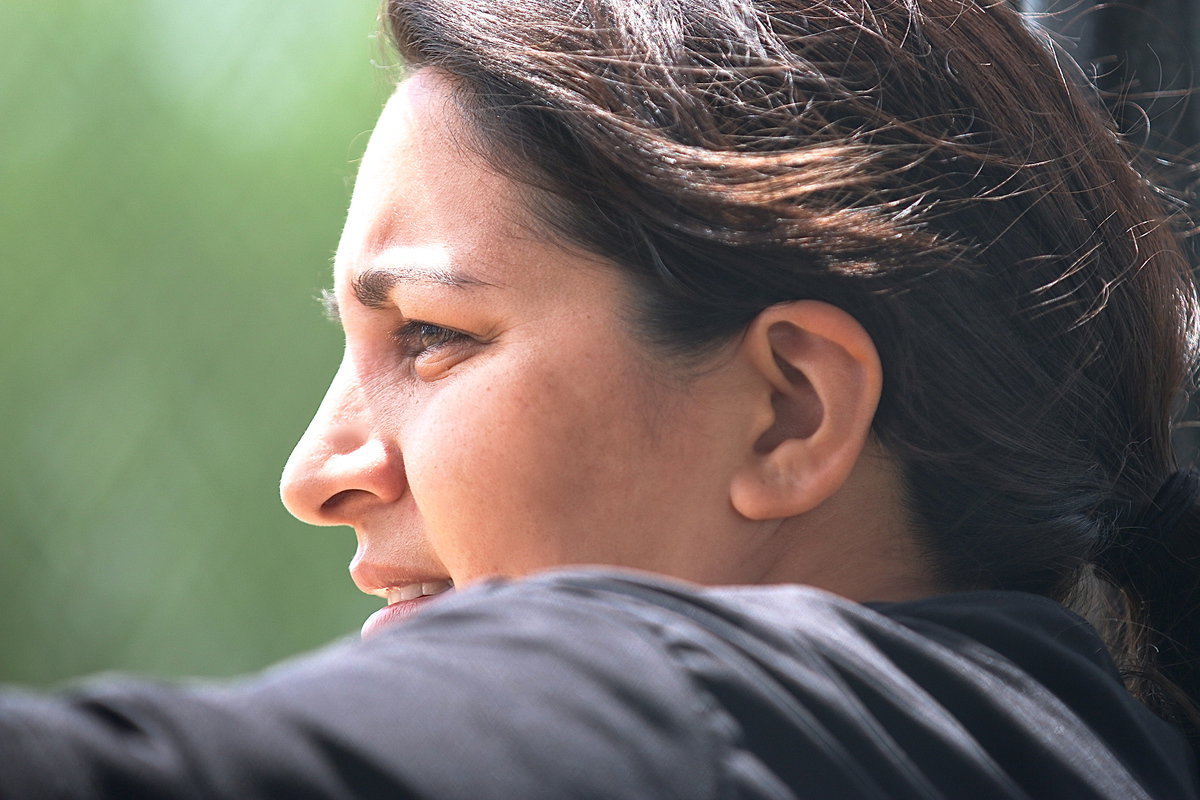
pixel 417 338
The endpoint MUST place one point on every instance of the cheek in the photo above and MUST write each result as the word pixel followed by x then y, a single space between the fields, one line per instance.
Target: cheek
pixel 537 463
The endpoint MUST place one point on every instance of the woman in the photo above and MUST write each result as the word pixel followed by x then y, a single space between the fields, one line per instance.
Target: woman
pixel 844 329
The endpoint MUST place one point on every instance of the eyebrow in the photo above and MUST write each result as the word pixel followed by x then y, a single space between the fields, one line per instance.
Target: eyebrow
pixel 373 287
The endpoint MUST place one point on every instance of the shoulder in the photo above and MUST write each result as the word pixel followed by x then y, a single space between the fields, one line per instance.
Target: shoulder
pixel 783 617
pixel 546 687
pixel 994 692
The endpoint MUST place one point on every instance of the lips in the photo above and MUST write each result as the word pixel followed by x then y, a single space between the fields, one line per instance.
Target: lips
pixel 403 602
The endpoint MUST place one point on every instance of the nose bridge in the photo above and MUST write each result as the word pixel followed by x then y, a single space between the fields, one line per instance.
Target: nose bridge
pixel 341 423
pixel 342 455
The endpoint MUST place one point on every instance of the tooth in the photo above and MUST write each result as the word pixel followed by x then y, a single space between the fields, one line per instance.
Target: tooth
pixel 410 592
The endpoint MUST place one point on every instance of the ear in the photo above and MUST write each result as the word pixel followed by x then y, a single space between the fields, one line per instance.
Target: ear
pixel 817 389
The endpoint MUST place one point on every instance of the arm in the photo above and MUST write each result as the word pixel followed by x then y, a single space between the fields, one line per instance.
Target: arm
pixel 488 697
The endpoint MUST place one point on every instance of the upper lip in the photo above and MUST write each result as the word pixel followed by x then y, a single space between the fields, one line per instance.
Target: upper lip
pixel 376 579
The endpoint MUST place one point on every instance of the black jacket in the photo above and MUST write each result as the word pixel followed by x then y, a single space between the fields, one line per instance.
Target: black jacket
pixel 601 685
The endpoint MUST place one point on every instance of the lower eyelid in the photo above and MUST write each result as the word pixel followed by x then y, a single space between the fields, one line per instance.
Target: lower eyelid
pixel 438 362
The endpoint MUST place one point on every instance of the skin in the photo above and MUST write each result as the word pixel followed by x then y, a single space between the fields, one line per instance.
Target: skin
pixel 494 413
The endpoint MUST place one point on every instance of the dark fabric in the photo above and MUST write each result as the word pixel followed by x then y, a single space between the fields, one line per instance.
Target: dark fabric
pixel 599 685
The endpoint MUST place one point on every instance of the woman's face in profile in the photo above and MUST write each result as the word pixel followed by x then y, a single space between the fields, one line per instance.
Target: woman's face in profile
pixel 493 413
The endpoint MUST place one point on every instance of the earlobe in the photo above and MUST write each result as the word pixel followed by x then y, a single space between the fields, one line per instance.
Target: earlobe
pixel 819 385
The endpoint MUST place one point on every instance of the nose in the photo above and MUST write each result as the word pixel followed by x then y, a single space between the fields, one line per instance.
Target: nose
pixel 342 464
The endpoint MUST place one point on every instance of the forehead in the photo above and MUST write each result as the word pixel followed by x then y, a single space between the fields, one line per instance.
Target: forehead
pixel 421 191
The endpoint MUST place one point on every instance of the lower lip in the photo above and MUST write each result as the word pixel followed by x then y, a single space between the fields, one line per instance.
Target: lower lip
pixel 395 613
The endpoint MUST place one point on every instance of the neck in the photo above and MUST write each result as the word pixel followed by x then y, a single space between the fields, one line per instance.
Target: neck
pixel 859 543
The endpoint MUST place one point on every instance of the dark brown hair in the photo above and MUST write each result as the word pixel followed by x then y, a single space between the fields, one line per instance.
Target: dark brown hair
pixel 926 166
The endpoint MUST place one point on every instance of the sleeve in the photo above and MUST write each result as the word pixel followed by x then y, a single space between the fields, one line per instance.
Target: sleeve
pixel 496 693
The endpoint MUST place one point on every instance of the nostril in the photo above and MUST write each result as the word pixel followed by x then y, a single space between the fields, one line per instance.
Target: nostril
pixel 324 487
pixel 338 501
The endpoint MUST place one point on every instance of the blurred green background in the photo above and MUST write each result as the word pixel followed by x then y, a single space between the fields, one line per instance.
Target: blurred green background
pixel 173 179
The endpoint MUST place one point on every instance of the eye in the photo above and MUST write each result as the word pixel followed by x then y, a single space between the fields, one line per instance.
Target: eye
pixel 417 338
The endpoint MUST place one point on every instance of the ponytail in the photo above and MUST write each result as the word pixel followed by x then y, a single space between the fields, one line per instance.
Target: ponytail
pixel 1156 561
